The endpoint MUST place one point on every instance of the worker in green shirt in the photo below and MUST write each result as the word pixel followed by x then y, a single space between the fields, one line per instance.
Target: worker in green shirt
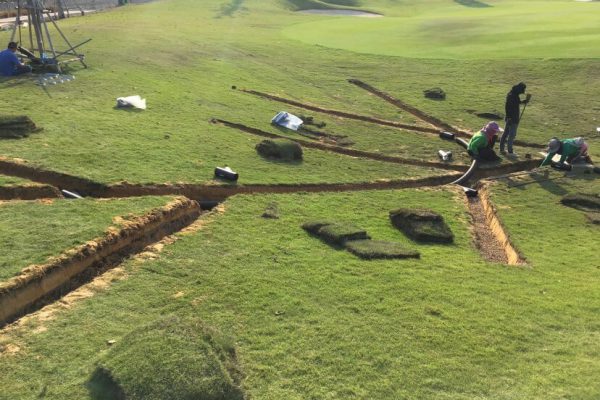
pixel 481 146
pixel 571 150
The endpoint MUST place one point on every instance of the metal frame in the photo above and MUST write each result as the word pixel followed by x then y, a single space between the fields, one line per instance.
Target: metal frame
pixel 43 46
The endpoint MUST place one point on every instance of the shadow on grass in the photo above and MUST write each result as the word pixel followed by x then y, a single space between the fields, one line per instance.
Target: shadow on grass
pixel 102 387
pixel 472 3
pixel 545 181
pixel 227 10
pixel 128 109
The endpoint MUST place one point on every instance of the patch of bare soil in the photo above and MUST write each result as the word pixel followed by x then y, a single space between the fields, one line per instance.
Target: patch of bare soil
pixel 485 240
pixel 30 192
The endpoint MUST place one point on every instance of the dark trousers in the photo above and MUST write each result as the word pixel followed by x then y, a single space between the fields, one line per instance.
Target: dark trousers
pixel 509 135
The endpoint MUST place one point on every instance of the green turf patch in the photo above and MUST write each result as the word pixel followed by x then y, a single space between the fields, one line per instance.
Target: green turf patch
pixel 170 359
pixel 6 180
pixel 582 201
pixel 59 225
pixel 16 127
pixel 422 225
pixel 336 233
pixel 376 249
pixel 314 226
pixel 280 149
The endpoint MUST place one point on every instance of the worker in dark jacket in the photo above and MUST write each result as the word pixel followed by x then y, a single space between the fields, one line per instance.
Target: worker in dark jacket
pixel 512 110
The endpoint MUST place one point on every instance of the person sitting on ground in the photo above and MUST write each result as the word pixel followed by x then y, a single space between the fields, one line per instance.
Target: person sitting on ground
pixel 512 109
pixel 9 62
pixel 572 150
pixel 481 146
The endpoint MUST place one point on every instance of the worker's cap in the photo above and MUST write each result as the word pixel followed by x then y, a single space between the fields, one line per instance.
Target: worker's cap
pixel 13 45
pixel 553 145
pixel 579 141
pixel 491 128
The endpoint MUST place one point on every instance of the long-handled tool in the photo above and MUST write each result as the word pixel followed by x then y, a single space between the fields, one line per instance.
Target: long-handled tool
pixel 525 106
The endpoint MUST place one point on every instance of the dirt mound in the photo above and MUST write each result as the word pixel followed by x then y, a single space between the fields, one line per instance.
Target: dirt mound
pixel 16 127
pixel 280 149
pixel 582 201
pixel 377 249
pixel 169 359
pixel 422 225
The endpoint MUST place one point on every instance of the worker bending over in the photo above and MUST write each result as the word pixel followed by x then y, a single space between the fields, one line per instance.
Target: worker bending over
pixel 9 62
pixel 572 150
pixel 481 146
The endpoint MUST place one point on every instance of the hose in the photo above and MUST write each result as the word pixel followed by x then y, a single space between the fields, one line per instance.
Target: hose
pixel 467 175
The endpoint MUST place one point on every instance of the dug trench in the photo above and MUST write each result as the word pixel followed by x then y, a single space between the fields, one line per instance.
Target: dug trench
pixel 426 117
pixel 343 114
pixel 341 150
pixel 490 237
pixel 39 285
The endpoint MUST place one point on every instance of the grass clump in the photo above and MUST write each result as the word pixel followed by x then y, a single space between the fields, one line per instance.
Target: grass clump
pixel 582 201
pixel 271 212
pixel 377 249
pixel 16 127
pixel 169 359
pixel 280 149
pixel 422 225
pixel 340 233
pixel 314 226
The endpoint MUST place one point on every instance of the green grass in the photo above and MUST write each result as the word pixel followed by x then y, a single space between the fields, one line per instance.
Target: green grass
pixel 310 321
pixel 59 226
pixel 507 29
pixel 170 358
pixel 6 180
pixel 186 77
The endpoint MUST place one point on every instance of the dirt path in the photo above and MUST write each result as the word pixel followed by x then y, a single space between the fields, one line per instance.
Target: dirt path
pixel 491 238
pixel 426 117
pixel 342 150
pixel 343 114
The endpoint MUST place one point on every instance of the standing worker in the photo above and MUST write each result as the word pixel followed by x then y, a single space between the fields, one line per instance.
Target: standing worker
pixel 513 116
pixel 9 62
pixel 571 150
pixel 481 146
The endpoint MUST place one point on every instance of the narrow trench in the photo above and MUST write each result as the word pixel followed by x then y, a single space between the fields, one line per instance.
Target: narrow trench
pixel 485 241
pixel 426 117
pixel 343 114
pixel 38 286
pixel 342 150
pixel 491 238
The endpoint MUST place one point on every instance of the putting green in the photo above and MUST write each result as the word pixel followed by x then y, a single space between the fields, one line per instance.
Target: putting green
pixel 532 29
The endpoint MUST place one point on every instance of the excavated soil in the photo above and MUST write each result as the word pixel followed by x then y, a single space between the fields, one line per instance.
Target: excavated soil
pixel 491 238
pixel 37 285
pixel 343 114
pixel 32 192
pixel 426 117
pixel 485 241
pixel 342 150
